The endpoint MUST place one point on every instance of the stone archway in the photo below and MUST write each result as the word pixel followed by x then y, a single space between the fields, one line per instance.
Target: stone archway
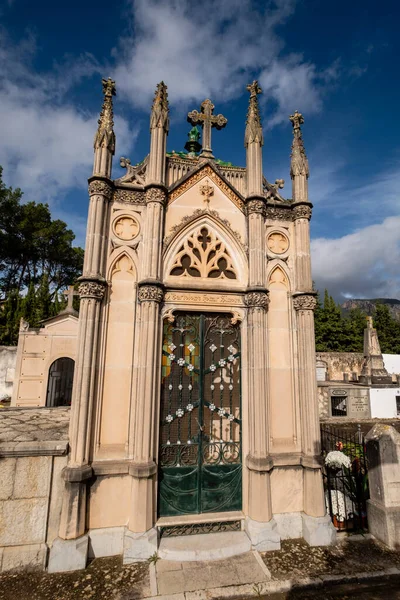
pixel 59 386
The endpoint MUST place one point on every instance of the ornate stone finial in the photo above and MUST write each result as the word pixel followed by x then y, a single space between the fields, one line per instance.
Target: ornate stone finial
pixel 105 137
pixel 207 120
pixel 298 157
pixel 160 109
pixel 253 131
pixel 207 191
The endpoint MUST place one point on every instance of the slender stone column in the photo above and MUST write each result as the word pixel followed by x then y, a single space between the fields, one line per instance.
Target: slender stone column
pixel 159 127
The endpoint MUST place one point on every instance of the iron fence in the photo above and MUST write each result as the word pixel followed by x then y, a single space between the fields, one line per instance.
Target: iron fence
pixel 346 485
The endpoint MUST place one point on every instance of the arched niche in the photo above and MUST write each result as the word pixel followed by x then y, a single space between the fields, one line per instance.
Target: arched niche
pixel 59 386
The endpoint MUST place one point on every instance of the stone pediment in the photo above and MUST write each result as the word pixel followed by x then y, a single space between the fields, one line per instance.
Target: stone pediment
pixel 210 171
pixel 66 321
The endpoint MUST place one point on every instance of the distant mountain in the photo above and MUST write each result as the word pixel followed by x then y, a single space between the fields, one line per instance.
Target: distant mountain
pixel 368 306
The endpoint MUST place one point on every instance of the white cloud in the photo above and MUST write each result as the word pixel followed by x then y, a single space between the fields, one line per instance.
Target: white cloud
pixel 363 264
pixel 47 142
pixel 214 49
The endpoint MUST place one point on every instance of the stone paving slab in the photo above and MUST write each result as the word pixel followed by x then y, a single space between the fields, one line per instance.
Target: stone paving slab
pixel 25 425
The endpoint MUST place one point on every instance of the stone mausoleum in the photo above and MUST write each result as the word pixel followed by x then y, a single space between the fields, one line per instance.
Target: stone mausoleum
pixel 194 402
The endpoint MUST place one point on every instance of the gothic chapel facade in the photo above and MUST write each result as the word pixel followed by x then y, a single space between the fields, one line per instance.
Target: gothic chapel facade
pixel 194 403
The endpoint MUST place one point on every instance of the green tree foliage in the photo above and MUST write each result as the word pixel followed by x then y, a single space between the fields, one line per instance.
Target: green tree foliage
pixel 37 262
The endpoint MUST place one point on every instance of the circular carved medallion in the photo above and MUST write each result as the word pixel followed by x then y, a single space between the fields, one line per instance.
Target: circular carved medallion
pixel 277 242
pixel 126 228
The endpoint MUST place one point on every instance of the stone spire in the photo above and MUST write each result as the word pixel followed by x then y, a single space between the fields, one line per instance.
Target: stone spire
pixel 299 171
pixel 104 140
pixel 253 131
pixel 253 141
pixel 160 109
pixel 159 127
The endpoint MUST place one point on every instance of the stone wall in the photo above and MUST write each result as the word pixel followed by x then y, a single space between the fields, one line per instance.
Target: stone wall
pixel 8 357
pixel 33 452
pixel 357 399
pixel 338 363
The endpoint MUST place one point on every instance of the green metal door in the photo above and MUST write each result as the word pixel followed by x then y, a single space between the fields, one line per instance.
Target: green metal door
pixel 200 468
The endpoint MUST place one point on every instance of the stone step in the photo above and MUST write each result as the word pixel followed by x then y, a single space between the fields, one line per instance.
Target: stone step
pixel 206 546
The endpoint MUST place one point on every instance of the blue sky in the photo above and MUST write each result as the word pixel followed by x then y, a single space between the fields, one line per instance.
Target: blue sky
pixel 335 62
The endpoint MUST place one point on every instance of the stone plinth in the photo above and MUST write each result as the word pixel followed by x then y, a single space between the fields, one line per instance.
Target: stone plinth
pixel 383 453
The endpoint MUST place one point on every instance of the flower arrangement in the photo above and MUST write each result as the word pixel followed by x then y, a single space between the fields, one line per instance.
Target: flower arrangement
pixel 341 505
pixel 337 460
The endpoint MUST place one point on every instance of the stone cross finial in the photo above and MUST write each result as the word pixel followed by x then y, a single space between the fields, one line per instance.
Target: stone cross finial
pixel 253 131
pixel 298 162
pixel 160 109
pixel 207 120
pixel 70 293
pixel 105 137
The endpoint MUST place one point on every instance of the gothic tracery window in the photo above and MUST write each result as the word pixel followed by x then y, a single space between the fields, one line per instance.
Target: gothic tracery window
pixel 202 254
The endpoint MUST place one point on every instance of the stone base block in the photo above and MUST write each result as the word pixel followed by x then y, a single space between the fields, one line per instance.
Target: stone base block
pixel 107 541
pixel 290 525
pixel 318 531
pixel 139 546
pixel 68 555
pixel 263 536
pixel 24 558
pixel 384 523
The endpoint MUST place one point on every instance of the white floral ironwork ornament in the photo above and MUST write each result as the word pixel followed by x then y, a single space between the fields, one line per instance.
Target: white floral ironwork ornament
pixel 169 418
pixel 181 362
pixel 170 386
pixel 171 357
pixel 213 348
pixel 191 348
pixel 180 412
pixel 190 387
pixel 172 347
pixel 232 349
pixel 189 407
pixel 221 412
pixel 222 362
pixel 180 387
pixel 190 367
pixel 211 407
pixel 231 358
pixel 212 368
pixel 221 387
pixel 231 418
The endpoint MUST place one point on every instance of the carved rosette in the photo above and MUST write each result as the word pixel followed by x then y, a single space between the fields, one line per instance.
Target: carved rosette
pixel 257 299
pixel 101 188
pixel 305 302
pixel 302 211
pixel 92 289
pixel 155 194
pixel 255 206
pixel 150 293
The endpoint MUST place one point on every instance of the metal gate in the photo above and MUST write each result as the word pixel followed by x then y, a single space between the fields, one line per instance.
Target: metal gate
pixel 200 427
pixel 346 487
pixel 59 387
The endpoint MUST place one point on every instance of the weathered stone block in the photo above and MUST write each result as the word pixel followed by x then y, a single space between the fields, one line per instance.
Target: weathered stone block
pixel 27 558
pixel 318 531
pixel 32 477
pixel 23 521
pixel 68 555
pixel 263 536
pixel 56 494
pixel 139 546
pixel 7 473
pixel 108 541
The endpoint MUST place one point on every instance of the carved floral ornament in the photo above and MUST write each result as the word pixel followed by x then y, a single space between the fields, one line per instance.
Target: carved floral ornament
pixel 129 196
pixel 92 289
pixel 100 188
pixel 277 242
pixel 305 302
pixel 257 299
pixel 155 195
pixel 126 228
pixel 302 211
pixel 255 206
pixel 203 254
pixel 150 293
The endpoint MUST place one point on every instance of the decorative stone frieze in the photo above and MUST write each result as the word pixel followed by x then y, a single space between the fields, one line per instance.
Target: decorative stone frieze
pixel 255 206
pixel 92 289
pixel 257 299
pixel 155 194
pixel 101 188
pixel 302 211
pixel 150 293
pixel 129 196
pixel 305 302
pixel 278 214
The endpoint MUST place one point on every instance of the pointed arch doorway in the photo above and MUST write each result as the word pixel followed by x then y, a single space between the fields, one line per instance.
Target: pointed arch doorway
pixel 200 454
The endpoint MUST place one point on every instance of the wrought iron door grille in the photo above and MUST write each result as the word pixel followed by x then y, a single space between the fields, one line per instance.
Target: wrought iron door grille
pixel 197 528
pixel 200 431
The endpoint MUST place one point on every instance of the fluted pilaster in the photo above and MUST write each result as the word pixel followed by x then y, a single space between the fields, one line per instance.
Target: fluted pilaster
pixel 304 305
pixel 302 216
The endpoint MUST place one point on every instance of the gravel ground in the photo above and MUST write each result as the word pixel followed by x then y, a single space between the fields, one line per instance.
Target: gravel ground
pixel 371 590
pixel 105 578
pixel 297 560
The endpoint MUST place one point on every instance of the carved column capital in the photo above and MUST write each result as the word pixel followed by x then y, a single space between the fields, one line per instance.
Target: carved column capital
pixel 305 302
pixel 100 187
pixel 149 292
pixel 257 299
pixel 255 206
pixel 302 211
pixel 156 194
pixel 92 288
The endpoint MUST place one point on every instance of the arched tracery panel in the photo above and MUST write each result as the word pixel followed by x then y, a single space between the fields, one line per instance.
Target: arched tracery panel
pixel 59 387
